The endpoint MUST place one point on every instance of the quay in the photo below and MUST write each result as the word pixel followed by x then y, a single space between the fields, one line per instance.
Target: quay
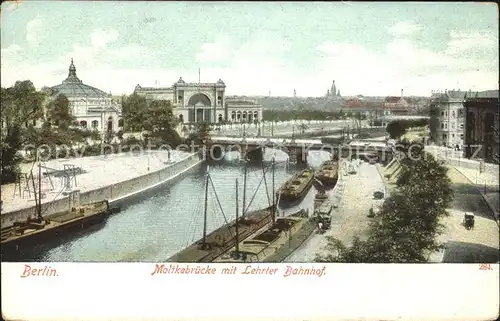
pixel 116 177
pixel 352 199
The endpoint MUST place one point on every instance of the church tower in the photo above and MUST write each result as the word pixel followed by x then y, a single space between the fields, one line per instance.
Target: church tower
pixel 333 90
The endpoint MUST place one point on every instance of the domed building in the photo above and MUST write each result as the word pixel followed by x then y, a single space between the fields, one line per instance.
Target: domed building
pixel 92 107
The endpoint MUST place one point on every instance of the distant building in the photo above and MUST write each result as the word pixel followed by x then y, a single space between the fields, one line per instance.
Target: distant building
pixel 92 107
pixel 446 122
pixel 240 110
pixel 394 105
pixel 352 103
pixel 333 93
pixel 482 126
pixel 192 102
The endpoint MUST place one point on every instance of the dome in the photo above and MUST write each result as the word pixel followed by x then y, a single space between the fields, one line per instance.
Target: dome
pixel 74 87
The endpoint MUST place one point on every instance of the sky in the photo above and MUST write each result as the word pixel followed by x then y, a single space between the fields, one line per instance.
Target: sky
pixel 368 48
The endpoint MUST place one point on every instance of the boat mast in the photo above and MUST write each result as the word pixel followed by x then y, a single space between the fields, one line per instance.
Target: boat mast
pixel 205 212
pixel 39 190
pixel 236 225
pixel 274 205
pixel 34 192
pixel 244 189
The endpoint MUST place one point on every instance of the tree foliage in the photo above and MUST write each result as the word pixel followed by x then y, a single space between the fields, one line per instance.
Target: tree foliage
pixel 398 128
pixel 22 110
pixel 160 121
pixel 405 230
pixel 200 134
pixel 285 115
pixel 21 107
pixel 134 109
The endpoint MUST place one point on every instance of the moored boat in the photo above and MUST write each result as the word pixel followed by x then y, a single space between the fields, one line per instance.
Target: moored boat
pixel 274 243
pixel 24 235
pixel 214 244
pixel 327 174
pixel 295 189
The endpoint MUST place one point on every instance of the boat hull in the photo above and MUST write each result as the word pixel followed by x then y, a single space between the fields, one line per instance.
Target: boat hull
pixel 11 248
pixel 275 243
pixel 297 239
pixel 195 254
pixel 288 199
pixel 327 181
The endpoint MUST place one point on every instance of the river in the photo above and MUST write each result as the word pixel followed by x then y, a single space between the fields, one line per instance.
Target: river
pixel 155 228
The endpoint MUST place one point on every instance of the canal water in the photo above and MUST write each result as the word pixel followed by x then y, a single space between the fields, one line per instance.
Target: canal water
pixel 156 228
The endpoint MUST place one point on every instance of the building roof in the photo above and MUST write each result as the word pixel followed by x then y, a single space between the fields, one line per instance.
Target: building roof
pixel 240 102
pixel 392 99
pixel 74 87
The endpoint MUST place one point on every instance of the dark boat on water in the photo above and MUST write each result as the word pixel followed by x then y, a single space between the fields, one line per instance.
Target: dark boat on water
pixel 216 243
pixel 34 231
pixel 295 189
pixel 26 234
pixel 328 174
pixel 275 243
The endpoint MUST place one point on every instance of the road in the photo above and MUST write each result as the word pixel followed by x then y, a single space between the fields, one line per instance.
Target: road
pixel 354 196
pixel 480 244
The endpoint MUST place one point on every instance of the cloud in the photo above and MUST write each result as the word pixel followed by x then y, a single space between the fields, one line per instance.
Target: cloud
pixel 461 42
pixel 100 38
pixel 403 63
pixel 35 31
pixel 404 28
pixel 127 52
pixel 217 51
pixel 94 62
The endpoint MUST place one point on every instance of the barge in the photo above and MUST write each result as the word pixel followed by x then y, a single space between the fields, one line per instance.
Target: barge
pixel 26 234
pixel 328 174
pixel 275 243
pixel 295 189
pixel 216 243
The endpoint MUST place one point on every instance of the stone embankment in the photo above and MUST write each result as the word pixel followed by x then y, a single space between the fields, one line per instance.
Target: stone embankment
pixel 117 178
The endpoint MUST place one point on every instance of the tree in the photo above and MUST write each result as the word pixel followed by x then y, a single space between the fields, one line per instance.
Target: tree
pixel 160 121
pixel 134 109
pixel 21 107
pixel 201 133
pixel 59 113
pixel 395 129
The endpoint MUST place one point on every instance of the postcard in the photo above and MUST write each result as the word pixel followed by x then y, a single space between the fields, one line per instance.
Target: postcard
pixel 249 160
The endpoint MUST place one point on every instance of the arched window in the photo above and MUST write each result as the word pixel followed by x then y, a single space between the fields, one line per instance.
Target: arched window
pixel 238 116
pixel 110 124
pixel 95 124
pixel 220 118
pixel 233 115
pixel 83 124
pixel 181 118
pixel 250 117
pixel 256 115
pixel 120 122
pixel 244 115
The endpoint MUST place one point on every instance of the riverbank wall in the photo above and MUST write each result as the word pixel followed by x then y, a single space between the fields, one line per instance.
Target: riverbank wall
pixel 119 194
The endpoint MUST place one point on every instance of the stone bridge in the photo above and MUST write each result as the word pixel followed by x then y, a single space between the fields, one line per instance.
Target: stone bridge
pixel 297 149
